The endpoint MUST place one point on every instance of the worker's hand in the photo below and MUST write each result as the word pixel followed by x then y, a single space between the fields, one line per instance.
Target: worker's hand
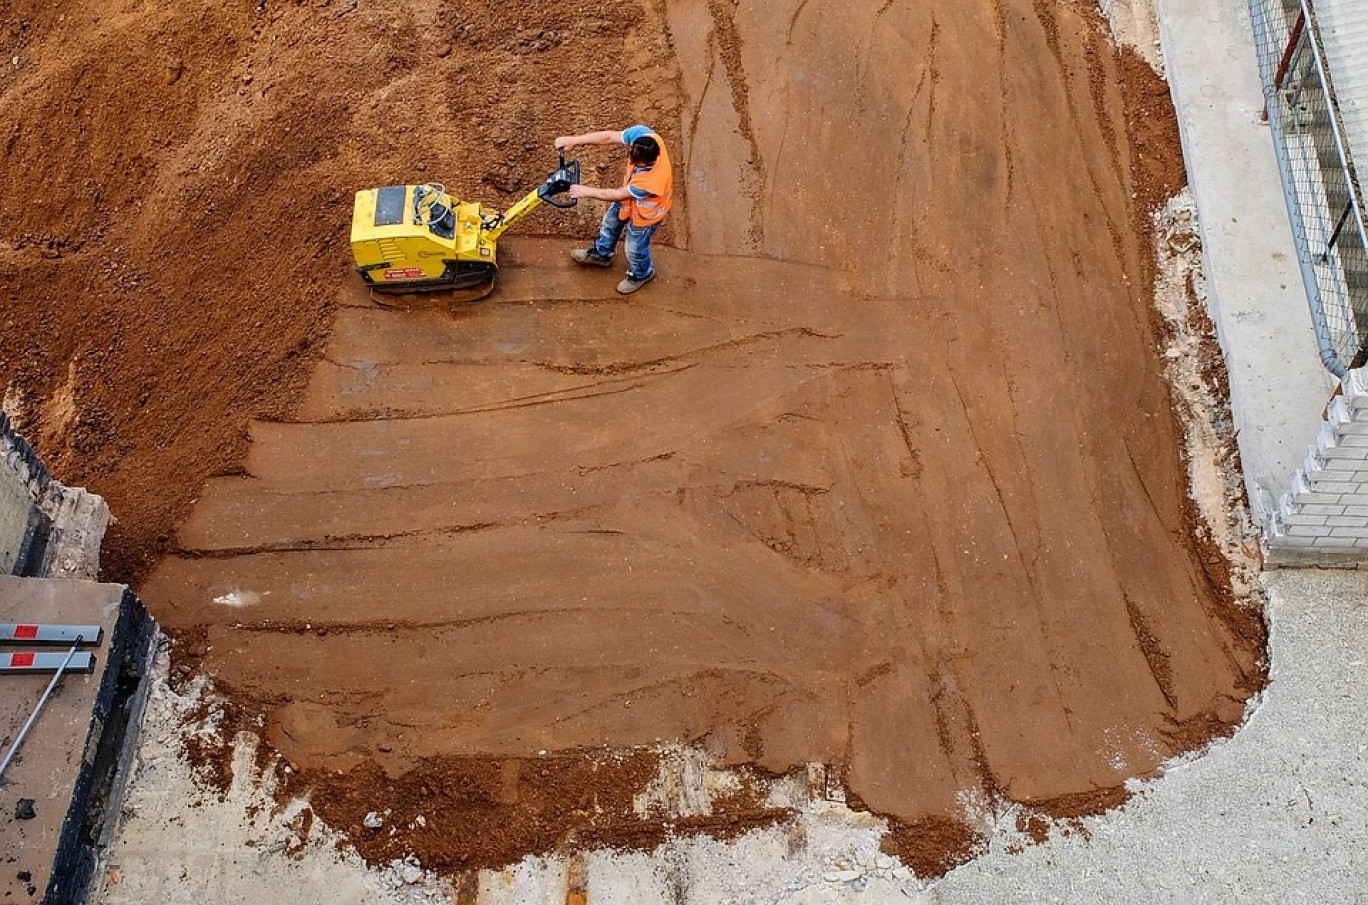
pixel 565 141
pixel 581 191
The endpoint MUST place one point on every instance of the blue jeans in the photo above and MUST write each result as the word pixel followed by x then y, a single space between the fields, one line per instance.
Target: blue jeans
pixel 639 265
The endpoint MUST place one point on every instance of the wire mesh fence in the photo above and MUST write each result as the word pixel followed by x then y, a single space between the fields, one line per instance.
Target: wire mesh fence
pixel 1324 195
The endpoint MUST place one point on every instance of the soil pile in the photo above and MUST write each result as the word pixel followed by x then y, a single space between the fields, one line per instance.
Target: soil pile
pixel 882 472
pixel 176 192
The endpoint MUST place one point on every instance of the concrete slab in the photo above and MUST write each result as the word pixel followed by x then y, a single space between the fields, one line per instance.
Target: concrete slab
pixel 1278 387
pixel 68 764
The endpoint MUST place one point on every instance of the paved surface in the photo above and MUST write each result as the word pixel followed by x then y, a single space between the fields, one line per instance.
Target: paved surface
pixel 1277 384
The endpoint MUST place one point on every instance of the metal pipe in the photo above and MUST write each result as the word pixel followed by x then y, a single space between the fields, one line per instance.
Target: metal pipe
pixel 1290 51
pixel 1339 226
pixel 56 677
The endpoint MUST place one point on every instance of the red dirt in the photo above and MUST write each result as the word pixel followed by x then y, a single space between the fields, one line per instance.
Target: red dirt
pixel 882 472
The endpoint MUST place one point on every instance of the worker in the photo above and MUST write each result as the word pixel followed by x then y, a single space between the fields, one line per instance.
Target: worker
pixel 638 207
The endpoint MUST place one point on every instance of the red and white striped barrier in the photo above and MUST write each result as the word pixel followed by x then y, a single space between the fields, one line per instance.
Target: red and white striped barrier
pixel 27 661
pixel 36 633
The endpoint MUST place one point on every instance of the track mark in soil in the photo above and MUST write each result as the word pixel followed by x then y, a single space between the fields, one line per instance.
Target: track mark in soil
pixel 865 52
pixel 1047 12
pixel 933 77
pixel 727 42
pixel 690 356
pixel 1004 111
pixel 793 21
pixel 910 229
pixel 1155 655
pixel 913 466
pixel 610 387
pixel 329 543
pixel 697 113
pixel 999 498
pixel 389 625
pixel 1140 480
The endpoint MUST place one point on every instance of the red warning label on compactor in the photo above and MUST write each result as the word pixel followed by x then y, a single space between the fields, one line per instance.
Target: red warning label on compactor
pixel 404 273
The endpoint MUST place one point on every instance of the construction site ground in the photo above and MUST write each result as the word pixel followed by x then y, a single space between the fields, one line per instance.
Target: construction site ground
pixel 870 516
pixel 1276 814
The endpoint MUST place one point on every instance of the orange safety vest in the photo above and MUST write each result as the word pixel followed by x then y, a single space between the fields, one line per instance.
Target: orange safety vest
pixel 659 181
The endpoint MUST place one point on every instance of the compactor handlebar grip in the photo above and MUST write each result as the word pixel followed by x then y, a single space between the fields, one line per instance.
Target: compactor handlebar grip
pixel 559 182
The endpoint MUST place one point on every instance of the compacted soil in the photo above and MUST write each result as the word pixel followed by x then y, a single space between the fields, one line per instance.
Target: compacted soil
pixel 880 473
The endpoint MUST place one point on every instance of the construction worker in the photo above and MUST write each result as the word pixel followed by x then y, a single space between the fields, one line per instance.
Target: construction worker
pixel 638 207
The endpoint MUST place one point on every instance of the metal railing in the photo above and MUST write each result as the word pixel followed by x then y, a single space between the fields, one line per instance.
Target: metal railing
pixel 1324 195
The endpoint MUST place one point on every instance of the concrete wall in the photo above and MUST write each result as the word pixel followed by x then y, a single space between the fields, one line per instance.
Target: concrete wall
pixel 24 484
pixel 16 504
pixel 46 529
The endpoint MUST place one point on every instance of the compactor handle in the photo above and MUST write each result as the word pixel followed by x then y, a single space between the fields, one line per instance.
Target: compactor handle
pixel 559 182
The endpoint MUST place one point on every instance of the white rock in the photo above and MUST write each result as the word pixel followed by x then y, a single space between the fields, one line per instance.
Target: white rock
pixel 843 876
pixel 372 821
pixel 411 873
pixel 884 862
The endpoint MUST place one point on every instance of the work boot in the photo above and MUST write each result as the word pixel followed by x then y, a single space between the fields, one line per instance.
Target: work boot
pixel 632 284
pixel 590 258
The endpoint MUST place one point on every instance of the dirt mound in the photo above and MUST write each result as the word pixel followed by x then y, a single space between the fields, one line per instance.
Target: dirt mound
pixel 881 473
pixel 176 195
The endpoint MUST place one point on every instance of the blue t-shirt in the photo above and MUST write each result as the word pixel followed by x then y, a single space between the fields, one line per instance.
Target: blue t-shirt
pixel 630 135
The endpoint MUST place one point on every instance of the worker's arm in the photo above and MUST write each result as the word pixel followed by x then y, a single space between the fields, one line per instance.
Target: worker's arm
pixel 588 191
pixel 606 137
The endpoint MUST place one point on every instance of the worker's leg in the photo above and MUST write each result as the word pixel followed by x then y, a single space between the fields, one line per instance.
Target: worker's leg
pixel 639 265
pixel 610 231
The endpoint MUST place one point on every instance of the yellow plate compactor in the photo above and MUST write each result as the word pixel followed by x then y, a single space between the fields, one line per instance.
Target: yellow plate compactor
pixel 418 238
